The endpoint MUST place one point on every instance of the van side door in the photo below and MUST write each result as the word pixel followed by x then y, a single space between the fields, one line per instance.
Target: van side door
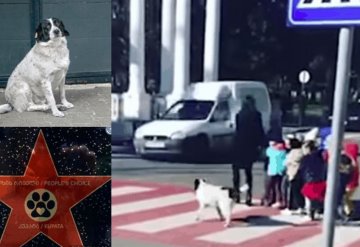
pixel 221 128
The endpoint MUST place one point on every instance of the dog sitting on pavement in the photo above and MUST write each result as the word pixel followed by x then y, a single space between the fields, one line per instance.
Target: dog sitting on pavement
pixel 218 197
pixel 31 84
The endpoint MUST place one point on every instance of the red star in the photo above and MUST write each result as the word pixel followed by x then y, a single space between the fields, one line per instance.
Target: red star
pixel 40 172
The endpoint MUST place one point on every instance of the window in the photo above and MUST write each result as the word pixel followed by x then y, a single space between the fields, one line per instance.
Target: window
pixel 189 110
pixel 259 95
pixel 221 112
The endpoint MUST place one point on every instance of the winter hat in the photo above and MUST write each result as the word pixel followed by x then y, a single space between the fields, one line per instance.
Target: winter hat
pixel 312 135
pixel 324 135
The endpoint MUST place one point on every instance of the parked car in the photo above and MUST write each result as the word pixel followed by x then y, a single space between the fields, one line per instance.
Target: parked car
pixel 203 121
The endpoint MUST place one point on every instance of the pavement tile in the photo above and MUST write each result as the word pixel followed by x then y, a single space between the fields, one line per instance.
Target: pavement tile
pixel 92 109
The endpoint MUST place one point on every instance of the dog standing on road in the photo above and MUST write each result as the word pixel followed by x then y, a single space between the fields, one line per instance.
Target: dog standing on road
pixel 221 198
pixel 30 86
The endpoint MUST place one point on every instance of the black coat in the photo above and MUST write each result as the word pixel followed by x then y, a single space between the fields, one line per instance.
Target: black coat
pixel 313 167
pixel 249 137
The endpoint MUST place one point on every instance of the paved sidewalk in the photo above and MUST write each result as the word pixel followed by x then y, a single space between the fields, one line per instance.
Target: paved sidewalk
pixel 92 108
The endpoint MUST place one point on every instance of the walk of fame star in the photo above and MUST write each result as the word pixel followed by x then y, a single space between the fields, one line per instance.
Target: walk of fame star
pixel 41 200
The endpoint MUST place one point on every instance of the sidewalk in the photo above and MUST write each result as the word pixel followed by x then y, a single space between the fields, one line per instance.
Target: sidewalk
pixel 92 108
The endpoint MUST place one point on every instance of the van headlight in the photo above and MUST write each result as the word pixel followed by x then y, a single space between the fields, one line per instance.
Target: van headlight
pixel 178 135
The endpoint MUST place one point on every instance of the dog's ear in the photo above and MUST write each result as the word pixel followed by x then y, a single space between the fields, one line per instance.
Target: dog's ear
pixel 63 30
pixel 42 32
pixel 61 26
pixel 38 32
pixel 66 33
pixel 196 184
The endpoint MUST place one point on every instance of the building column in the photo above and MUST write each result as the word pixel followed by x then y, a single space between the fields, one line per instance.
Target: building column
pixel 136 102
pixel 212 36
pixel 167 45
pixel 182 51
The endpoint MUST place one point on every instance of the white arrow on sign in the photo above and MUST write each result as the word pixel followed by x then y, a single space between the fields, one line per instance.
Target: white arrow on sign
pixel 304 76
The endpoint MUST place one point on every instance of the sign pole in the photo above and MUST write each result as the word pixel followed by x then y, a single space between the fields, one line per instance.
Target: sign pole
pixel 302 105
pixel 340 102
pixel 304 78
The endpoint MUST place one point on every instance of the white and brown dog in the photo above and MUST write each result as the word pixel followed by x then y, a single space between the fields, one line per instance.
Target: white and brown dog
pixel 221 198
pixel 30 86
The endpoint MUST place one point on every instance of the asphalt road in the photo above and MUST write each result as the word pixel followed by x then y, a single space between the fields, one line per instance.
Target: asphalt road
pixel 127 167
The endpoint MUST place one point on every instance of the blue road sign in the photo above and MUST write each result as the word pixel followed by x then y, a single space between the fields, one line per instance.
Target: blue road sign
pixel 324 12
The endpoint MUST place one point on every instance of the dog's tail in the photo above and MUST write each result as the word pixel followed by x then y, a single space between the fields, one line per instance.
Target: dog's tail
pixel 5 108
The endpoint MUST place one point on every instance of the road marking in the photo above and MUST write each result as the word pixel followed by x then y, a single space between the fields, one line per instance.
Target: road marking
pixel 129 190
pixel 175 221
pixel 132 207
pixel 266 225
pixel 343 237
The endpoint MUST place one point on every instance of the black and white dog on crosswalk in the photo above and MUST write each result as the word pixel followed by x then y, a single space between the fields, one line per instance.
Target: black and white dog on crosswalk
pixel 218 197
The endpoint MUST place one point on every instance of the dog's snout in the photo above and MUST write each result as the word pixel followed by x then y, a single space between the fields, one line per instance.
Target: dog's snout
pixel 57 31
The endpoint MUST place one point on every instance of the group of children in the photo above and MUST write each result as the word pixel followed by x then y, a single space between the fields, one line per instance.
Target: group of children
pixel 296 176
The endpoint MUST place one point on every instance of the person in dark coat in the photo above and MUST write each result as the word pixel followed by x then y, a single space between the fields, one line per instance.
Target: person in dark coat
pixel 313 173
pixel 249 138
pixel 345 173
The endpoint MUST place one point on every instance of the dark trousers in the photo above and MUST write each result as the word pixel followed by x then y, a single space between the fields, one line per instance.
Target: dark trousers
pixel 274 188
pixel 341 190
pixel 296 199
pixel 285 188
pixel 248 174
pixel 266 181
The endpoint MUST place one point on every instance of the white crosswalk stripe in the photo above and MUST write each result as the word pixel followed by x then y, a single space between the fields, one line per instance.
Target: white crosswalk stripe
pixel 306 4
pixel 154 203
pixel 126 190
pixel 343 237
pixel 174 221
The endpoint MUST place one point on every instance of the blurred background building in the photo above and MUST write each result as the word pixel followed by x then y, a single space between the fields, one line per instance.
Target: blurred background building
pixel 256 44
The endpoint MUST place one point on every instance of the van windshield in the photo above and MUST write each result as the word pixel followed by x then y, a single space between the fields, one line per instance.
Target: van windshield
pixel 189 110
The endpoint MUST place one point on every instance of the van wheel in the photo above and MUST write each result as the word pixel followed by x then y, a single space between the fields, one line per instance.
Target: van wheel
pixel 196 147
pixel 201 148
pixel 203 144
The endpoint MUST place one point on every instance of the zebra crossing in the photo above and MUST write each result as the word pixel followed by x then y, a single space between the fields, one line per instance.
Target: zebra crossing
pixel 306 4
pixel 165 214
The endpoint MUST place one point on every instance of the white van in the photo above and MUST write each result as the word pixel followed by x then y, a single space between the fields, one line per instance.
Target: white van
pixel 203 121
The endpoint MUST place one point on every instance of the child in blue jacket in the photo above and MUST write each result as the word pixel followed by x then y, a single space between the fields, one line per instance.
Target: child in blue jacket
pixel 276 153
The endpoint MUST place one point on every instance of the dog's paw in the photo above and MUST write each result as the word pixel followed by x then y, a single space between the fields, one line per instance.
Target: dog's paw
pixel 58 114
pixel 67 105
pixel 226 225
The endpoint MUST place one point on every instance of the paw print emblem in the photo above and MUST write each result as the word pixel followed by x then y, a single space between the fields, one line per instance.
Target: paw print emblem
pixel 40 205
